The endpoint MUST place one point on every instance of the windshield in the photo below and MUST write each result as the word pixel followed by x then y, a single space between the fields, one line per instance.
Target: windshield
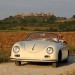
pixel 42 36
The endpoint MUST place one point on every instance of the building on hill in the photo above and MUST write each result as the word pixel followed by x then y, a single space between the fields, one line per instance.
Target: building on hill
pixel 22 15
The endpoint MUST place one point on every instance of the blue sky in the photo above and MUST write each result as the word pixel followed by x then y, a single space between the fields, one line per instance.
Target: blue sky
pixel 64 8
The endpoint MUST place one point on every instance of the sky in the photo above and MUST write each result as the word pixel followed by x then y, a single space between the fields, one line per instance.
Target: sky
pixel 62 8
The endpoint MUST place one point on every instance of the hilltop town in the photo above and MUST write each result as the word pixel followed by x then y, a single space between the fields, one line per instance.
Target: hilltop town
pixel 22 15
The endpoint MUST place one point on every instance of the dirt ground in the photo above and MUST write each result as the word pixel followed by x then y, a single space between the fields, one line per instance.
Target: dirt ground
pixel 37 68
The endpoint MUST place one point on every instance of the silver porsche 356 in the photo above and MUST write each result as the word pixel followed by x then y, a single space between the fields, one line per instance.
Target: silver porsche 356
pixel 40 47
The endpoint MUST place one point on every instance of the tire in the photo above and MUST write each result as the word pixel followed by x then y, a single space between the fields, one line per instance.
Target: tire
pixel 66 60
pixel 18 63
pixel 60 56
pixel 54 64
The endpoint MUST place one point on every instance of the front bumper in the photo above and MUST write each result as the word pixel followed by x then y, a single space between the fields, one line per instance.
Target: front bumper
pixel 33 60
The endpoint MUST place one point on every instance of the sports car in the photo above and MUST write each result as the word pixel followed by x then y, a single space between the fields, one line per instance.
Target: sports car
pixel 40 47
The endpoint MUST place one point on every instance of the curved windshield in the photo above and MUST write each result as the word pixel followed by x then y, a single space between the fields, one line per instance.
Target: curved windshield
pixel 42 36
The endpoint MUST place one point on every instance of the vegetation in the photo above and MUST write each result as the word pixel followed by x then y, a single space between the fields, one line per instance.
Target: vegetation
pixel 52 23
pixel 71 50
pixel 4 56
pixel 67 26
pixel 73 16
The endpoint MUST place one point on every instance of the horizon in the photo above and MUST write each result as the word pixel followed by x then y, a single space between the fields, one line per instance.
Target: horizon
pixel 34 13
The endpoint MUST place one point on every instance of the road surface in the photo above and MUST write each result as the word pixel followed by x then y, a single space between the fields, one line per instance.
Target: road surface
pixel 37 69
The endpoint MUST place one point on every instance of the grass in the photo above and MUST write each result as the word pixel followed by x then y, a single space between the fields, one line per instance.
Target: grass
pixel 71 47
pixel 4 56
pixel 72 50
pixel 15 31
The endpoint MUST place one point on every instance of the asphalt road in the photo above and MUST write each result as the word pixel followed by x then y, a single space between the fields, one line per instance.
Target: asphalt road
pixel 37 68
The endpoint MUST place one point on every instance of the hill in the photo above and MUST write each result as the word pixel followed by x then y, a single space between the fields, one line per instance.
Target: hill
pixel 38 23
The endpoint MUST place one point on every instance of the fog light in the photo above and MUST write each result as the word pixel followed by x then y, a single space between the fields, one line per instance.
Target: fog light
pixel 47 56
pixel 17 55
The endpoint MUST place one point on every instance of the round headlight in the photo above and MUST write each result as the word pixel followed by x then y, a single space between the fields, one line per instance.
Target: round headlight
pixel 16 49
pixel 49 50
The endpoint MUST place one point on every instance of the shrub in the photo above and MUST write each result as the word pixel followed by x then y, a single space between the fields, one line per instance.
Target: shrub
pixel 4 55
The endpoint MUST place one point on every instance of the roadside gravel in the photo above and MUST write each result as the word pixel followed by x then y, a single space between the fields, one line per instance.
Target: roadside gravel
pixel 37 69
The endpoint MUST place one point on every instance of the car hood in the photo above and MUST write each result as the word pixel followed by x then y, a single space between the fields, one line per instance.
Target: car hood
pixel 35 46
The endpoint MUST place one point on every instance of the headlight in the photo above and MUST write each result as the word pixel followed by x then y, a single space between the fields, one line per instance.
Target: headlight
pixel 49 50
pixel 16 49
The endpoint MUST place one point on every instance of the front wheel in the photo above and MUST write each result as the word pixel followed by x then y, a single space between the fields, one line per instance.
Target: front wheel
pixel 54 64
pixel 66 60
pixel 18 63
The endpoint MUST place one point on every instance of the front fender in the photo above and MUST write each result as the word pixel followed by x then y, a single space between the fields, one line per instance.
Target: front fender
pixel 21 44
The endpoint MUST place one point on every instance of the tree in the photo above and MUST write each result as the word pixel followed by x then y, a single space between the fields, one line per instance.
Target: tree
pixel 73 16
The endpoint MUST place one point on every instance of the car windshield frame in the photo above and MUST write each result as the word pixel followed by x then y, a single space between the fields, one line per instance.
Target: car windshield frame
pixel 41 36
